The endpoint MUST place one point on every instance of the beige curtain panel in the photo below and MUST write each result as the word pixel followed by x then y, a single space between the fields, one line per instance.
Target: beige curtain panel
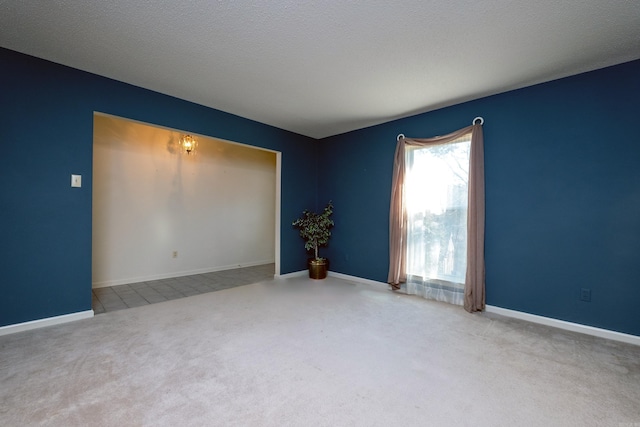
pixel 474 286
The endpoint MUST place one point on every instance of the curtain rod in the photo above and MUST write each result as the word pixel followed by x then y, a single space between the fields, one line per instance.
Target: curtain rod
pixel 473 122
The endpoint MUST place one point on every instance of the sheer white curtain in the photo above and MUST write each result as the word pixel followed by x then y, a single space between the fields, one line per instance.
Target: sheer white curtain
pixel 447 247
pixel 436 191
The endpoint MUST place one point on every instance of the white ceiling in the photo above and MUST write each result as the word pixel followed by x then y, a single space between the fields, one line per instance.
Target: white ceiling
pixel 325 67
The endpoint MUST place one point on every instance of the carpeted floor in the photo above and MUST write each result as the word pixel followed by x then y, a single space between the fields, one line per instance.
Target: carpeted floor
pixel 296 352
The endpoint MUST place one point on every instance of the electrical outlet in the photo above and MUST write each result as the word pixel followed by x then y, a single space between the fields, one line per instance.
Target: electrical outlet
pixel 174 254
pixel 585 295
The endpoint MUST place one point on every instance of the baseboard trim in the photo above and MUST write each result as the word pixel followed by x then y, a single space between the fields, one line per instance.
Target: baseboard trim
pixel 568 326
pixel 117 282
pixel 379 285
pixel 300 273
pixel 48 321
pixel 305 273
pixel 548 321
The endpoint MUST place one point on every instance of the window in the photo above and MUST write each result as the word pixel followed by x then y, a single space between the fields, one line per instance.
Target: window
pixel 436 194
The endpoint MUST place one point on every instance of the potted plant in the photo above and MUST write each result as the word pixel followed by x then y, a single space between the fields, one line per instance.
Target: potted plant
pixel 315 229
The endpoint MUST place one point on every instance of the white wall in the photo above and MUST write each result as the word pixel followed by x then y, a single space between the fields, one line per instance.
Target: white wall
pixel 217 208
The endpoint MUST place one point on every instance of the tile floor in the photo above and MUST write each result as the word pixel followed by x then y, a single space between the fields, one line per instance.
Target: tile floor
pixel 143 293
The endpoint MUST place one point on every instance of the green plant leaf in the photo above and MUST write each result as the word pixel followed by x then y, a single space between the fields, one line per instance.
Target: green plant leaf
pixel 315 228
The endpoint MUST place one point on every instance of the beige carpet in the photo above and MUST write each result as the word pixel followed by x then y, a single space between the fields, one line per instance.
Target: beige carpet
pixel 295 352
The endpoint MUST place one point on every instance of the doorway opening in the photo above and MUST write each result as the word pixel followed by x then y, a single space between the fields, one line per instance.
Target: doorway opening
pixel 159 213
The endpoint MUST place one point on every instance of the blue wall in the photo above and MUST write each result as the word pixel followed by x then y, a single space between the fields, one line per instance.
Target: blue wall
pixel 562 175
pixel 46 132
pixel 562 194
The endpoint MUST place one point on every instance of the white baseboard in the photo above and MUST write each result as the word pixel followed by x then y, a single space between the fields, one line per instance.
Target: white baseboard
pixel 560 324
pixel 117 282
pixel 305 273
pixel 41 323
pixel 300 273
pixel 569 326
pixel 380 285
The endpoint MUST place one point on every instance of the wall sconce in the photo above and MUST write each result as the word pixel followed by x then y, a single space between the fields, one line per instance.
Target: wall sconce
pixel 188 144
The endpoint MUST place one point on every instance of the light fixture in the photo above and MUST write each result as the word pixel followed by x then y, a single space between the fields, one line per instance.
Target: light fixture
pixel 188 144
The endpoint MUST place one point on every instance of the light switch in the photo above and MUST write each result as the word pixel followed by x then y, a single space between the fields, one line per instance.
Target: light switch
pixel 76 180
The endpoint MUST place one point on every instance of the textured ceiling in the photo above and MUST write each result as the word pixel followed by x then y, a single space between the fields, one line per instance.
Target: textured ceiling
pixel 321 68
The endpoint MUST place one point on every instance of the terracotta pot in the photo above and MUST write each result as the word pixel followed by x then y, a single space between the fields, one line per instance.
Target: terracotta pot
pixel 318 268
